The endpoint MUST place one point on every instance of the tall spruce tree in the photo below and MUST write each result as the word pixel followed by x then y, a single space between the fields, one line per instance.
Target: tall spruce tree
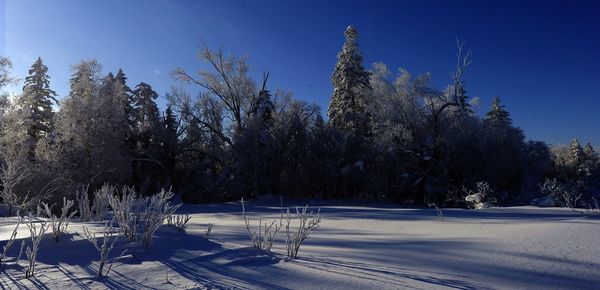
pixel 351 86
pixel 32 116
pixel 576 156
pixel 497 114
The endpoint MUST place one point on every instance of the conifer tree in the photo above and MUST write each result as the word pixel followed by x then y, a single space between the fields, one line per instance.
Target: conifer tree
pixel 351 86
pixel 497 114
pixel 32 115
pixel 576 155
pixel 589 152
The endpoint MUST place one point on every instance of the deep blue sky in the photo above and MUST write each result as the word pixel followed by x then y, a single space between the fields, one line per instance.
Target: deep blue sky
pixel 541 57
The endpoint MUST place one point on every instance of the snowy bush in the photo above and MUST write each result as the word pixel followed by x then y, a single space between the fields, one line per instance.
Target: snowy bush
pixel 12 172
pixel 139 217
pixel 561 193
pixel 265 235
pixel 9 243
pixel 60 223
pixel 36 234
pixel 307 223
pixel 592 208
pixel 155 210
pixel 125 210
pixel 109 237
pixel 178 221
pixel 482 197
pixel 96 209
pixel 99 208
pixel 83 202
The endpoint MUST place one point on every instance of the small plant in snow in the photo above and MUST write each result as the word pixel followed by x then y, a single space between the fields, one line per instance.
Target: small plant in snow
pixel 208 230
pixel 561 193
pixel 438 211
pixel 12 172
pixel 264 237
pixel 109 237
pixel 61 223
pixel 592 208
pixel 125 210
pixel 99 208
pixel 9 243
pixel 83 202
pixel 156 209
pixel 482 197
pixel 178 221
pixel 307 223
pixel 37 234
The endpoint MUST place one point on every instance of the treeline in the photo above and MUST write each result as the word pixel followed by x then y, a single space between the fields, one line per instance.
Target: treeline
pixel 387 137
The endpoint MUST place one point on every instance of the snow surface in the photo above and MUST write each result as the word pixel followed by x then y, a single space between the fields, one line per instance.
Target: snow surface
pixel 357 247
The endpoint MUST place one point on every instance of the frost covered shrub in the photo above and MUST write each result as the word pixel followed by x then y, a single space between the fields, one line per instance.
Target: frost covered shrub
pixel 307 223
pixel 178 221
pixel 83 202
pixel 96 209
pixel 9 243
pixel 482 197
pixel 139 217
pixel 109 237
pixel 265 235
pixel 155 210
pixel 36 234
pixel 563 194
pixel 99 209
pixel 125 210
pixel 592 208
pixel 13 171
pixel 60 223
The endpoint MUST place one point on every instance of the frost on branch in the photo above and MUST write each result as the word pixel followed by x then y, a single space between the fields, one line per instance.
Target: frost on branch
pixel 307 223
pixel 12 172
pixel 155 210
pixel 178 221
pixel 36 234
pixel 109 237
pixel 60 223
pixel 125 210
pixel 99 208
pixel 139 217
pixel 265 235
pixel 96 209
pixel 9 243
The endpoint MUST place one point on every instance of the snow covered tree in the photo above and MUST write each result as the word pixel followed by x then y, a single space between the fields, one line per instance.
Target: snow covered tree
pixel 31 116
pixel 497 115
pixel 146 117
pixel 351 87
pixel 89 141
pixel 576 154
pixel 589 152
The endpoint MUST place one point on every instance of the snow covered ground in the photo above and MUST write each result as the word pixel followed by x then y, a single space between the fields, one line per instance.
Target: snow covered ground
pixel 357 247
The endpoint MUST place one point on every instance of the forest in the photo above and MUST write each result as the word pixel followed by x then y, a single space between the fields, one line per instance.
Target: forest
pixel 387 136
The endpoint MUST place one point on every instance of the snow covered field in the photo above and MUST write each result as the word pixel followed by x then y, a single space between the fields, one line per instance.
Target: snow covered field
pixel 357 247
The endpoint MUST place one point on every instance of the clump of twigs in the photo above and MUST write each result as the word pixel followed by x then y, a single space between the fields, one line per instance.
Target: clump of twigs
pixel 307 223
pixel 264 237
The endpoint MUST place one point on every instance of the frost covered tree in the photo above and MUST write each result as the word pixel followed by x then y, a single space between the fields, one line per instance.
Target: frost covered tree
pixel 497 114
pixel 89 141
pixel 576 156
pixel 145 138
pixel 32 115
pixel 351 87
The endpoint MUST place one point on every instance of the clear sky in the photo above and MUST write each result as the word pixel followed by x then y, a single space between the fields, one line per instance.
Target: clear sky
pixel 541 57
